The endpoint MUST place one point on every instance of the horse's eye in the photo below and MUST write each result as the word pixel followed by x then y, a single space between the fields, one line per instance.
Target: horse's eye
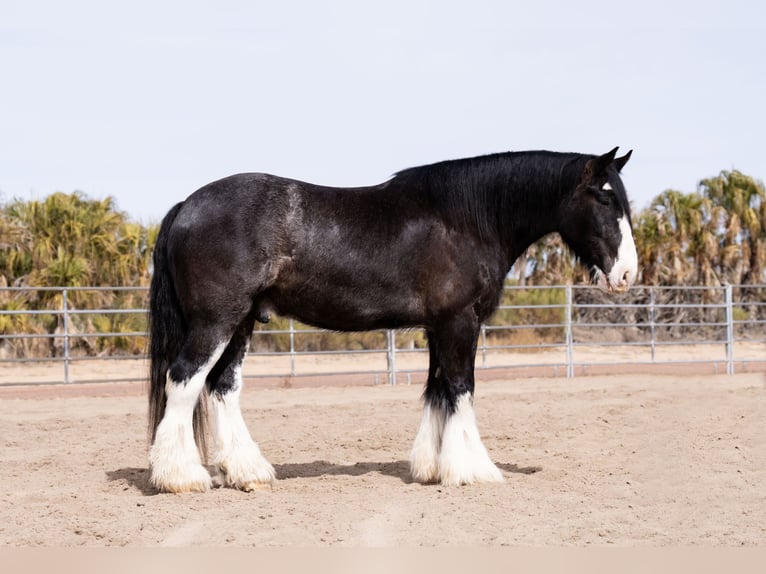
pixel 604 197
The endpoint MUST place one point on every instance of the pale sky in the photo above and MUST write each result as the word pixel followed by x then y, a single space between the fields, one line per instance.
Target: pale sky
pixel 148 100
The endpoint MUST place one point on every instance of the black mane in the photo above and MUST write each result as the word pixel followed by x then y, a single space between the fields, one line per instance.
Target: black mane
pixel 480 192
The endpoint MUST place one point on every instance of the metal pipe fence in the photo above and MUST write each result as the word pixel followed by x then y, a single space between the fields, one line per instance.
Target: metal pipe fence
pixel 73 334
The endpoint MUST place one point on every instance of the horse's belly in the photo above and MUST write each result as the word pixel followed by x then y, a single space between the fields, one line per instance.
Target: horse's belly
pixel 341 308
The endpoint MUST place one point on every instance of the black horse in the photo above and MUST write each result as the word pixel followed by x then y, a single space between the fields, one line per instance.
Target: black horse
pixel 429 248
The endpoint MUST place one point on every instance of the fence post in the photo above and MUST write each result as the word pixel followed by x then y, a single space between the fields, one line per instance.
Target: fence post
pixel 651 320
pixel 65 313
pixel 729 331
pixel 292 347
pixel 483 345
pixel 568 332
pixel 391 356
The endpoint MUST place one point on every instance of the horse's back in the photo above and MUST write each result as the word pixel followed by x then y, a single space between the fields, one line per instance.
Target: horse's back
pixel 236 197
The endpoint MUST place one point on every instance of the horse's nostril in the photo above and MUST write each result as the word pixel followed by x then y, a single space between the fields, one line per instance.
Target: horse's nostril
pixel 625 277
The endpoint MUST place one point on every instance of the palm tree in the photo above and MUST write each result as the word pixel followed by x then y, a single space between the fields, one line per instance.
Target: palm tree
pixel 679 219
pixel 69 240
pixel 15 241
pixel 650 235
pixel 743 228
pixel 84 240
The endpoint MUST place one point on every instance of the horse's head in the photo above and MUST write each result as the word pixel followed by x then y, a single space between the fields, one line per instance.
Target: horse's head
pixel 595 223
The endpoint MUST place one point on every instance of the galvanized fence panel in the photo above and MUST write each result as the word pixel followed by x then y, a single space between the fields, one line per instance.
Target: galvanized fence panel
pixel 559 330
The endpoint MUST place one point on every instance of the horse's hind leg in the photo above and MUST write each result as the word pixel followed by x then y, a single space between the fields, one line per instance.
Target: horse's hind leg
pixel 236 454
pixel 174 456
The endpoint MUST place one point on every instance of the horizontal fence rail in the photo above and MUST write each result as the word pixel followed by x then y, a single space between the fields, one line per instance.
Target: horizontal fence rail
pixel 98 334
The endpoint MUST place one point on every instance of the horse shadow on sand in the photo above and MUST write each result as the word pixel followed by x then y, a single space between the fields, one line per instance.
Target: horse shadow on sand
pixel 138 478
pixel 399 469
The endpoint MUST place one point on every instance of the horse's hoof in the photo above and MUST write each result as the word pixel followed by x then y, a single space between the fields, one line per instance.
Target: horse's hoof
pixel 424 472
pixel 178 479
pixel 246 469
pixel 186 488
pixel 257 487
pixel 201 485
pixel 485 474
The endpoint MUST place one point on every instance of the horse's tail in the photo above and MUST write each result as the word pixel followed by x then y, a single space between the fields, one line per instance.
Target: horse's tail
pixel 167 331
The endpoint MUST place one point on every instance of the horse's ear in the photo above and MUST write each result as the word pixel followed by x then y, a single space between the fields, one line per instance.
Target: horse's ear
pixel 620 162
pixel 597 165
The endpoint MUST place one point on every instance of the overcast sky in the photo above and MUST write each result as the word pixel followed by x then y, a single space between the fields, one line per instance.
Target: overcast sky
pixel 148 100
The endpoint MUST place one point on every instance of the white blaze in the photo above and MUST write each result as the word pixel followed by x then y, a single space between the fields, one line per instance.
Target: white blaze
pixel 625 268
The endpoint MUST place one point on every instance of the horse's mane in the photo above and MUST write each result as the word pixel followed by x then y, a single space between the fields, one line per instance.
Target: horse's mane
pixel 481 193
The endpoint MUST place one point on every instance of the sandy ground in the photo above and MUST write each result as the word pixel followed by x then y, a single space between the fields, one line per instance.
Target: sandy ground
pixel 630 460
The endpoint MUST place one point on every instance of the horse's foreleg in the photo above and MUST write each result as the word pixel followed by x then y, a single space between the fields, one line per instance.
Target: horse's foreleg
pixel 236 455
pixel 463 459
pixel 174 456
pixel 424 458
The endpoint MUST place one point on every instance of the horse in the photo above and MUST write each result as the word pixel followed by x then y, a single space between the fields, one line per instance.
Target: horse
pixel 429 248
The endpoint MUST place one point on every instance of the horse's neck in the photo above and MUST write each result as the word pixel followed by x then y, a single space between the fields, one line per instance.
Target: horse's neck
pixel 533 213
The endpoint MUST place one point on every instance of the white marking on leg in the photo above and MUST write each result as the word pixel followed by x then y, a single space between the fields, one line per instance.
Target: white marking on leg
pixel 237 455
pixel 463 458
pixel 174 456
pixel 424 458
pixel 625 267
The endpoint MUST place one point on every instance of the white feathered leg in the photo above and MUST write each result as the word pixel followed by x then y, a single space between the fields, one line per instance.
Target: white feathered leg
pixel 463 458
pixel 236 454
pixel 424 458
pixel 174 456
